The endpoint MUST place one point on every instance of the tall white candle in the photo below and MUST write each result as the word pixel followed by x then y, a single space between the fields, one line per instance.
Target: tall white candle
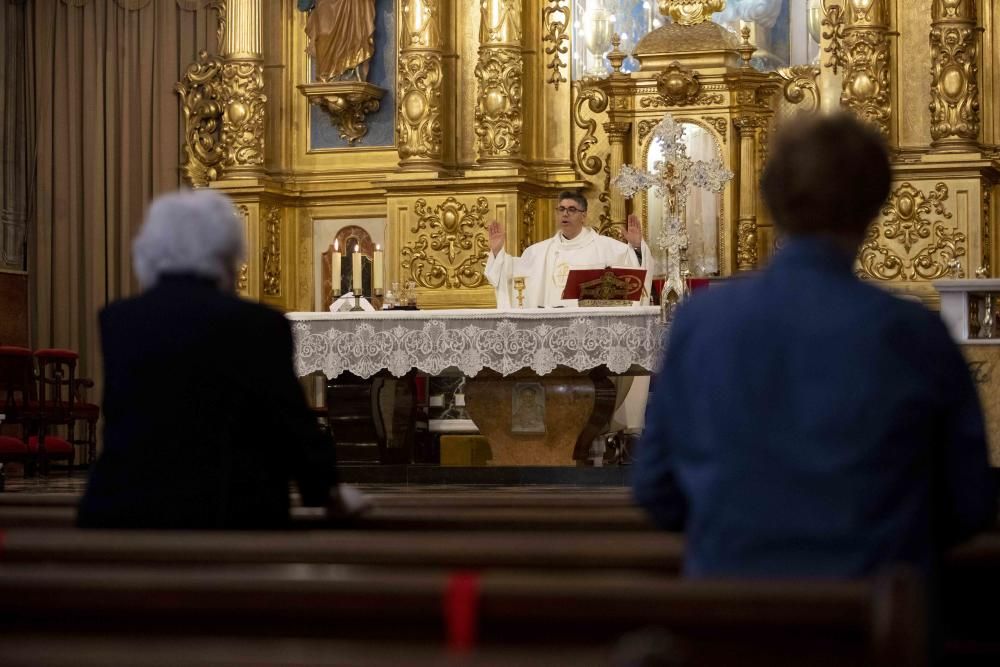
pixel 356 270
pixel 377 268
pixel 335 267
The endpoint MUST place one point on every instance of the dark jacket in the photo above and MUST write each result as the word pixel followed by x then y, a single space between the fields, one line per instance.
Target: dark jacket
pixel 205 422
pixel 806 423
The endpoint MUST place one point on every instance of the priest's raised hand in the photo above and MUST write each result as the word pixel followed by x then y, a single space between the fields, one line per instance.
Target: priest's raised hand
pixel 498 237
pixel 633 231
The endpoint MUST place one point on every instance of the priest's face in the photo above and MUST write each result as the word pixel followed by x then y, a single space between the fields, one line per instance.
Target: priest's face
pixel 570 218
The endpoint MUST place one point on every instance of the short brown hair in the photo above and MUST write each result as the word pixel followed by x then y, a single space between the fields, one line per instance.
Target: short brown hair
pixel 580 200
pixel 826 174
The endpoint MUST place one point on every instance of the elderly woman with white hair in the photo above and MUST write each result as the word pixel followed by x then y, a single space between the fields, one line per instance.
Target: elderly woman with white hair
pixel 205 422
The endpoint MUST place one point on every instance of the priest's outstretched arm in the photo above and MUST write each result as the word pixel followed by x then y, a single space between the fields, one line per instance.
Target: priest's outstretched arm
pixel 640 254
pixel 499 265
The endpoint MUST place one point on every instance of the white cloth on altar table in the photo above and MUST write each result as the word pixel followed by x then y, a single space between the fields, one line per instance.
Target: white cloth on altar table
pixel 346 303
pixel 468 341
pixel 545 266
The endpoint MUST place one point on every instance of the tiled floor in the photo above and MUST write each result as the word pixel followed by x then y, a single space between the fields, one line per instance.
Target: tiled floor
pixel 58 481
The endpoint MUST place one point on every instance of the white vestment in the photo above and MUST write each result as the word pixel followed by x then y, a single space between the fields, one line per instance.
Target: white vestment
pixel 545 266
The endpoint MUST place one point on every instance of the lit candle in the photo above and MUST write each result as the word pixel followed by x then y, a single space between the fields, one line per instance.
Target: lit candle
pixel 377 269
pixel 356 270
pixel 335 267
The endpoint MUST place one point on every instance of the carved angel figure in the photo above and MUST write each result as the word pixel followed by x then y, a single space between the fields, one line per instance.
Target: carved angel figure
pixel 341 37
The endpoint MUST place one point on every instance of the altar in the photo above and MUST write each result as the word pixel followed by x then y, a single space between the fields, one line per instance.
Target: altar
pixel 539 381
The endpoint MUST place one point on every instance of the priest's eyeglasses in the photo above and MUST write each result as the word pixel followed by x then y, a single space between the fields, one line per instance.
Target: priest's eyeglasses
pixel 572 210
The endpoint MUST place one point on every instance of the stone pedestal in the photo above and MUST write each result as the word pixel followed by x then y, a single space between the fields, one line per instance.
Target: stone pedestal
pixel 576 410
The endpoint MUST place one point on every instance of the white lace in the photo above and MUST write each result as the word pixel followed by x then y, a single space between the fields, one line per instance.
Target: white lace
pixel 468 341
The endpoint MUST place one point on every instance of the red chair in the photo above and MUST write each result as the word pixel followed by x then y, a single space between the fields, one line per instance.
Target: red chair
pixel 56 402
pixel 17 402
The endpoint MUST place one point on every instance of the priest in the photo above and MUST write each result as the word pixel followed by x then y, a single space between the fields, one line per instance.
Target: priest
pixel 545 265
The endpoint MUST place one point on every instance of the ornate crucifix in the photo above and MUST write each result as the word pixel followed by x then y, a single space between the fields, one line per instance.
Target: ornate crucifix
pixel 673 177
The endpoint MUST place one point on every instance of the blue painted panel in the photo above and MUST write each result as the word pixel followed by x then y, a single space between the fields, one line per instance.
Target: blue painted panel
pixel 382 72
pixel 780 43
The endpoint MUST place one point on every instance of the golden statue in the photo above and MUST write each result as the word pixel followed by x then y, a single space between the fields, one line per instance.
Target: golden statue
pixel 690 12
pixel 341 37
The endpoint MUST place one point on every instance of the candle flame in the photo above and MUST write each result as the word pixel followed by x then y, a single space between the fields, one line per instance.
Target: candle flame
pixel 357 248
pixel 378 246
pixel 336 245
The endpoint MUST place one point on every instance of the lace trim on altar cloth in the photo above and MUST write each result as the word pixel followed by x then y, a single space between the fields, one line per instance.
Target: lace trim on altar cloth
pixel 438 342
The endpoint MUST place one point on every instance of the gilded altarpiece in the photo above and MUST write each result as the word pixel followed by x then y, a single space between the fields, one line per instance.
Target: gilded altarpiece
pixel 493 119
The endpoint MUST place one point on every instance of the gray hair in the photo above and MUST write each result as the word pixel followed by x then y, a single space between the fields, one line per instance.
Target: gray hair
pixel 191 232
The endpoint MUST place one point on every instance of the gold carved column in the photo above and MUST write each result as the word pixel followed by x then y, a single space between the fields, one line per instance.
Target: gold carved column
pixel 617 133
pixel 421 78
pixel 746 226
pixel 243 74
pixel 223 101
pixel 864 55
pixel 499 81
pixel 955 119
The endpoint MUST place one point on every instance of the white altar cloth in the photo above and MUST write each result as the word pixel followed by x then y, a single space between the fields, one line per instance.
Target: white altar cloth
pixel 470 340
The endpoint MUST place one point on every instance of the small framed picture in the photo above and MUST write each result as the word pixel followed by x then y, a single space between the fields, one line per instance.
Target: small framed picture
pixel 528 408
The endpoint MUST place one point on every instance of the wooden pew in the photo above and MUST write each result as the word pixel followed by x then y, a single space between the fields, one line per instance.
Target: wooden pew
pixel 403 518
pixel 416 497
pixel 646 551
pixel 728 623
pixel 40 650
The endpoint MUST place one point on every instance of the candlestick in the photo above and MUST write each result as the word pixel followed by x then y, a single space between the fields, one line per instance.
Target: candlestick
pixel 356 270
pixel 335 267
pixel 377 269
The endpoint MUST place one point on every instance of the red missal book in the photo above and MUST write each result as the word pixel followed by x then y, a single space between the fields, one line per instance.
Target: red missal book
pixel 631 277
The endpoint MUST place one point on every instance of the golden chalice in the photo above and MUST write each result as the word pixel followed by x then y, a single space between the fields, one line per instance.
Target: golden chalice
pixel 519 286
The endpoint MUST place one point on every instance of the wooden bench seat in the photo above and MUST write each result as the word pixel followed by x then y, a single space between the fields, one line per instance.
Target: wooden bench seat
pixel 647 550
pixel 525 497
pixel 403 518
pixel 39 650
pixel 729 623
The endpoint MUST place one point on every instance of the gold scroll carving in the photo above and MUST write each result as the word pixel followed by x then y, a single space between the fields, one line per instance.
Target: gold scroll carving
pixel 223 105
pixel 271 255
pixel 597 101
pixel 421 79
pixel 954 104
pixel 660 102
pixel 865 57
pixel 555 20
pixel 834 23
pixel 499 74
pixel 800 87
pixel 915 247
pixel 498 107
pixel 451 246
